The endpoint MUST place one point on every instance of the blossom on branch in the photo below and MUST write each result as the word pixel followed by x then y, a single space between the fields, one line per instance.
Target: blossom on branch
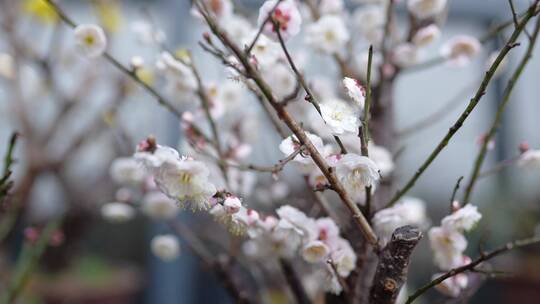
pixel 423 9
pixel 339 116
pixel 328 35
pixel 356 173
pixel 286 17
pixel 90 40
pixel 461 49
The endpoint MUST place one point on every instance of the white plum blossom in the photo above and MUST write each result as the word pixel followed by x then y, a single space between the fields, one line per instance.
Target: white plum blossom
pixel 237 28
pixel 291 144
pixel 344 258
pixel 147 34
pixel 186 180
pixel 315 251
pixel 286 15
pixel 152 160
pixel 425 8
pixel 230 95
pixel 281 79
pixel 232 204
pixel 331 7
pixel 127 171
pixel 382 157
pixel 426 35
pixel 265 51
pixel 460 50
pixel 356 173
pixel 464 219
pixel 339 116
pixel 408 211
pixel 179 76
pixel 159 206
pixel 355 90
pixel 448 246
pixel 166 247
pixel 370 20
pixel 530 159
pixel 328 35
pixel 117 212
pixel 453 286
pixel 90 40
pixel 405 54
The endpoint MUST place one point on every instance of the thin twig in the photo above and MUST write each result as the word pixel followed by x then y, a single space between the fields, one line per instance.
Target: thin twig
pixel 470 107
pixel 500 111
pixel 471 266
pixel 454 192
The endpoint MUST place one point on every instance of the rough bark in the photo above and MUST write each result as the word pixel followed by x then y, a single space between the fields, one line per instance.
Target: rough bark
pixel 394 259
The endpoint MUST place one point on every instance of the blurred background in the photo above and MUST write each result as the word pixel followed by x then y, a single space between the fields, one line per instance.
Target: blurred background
pixel 63 169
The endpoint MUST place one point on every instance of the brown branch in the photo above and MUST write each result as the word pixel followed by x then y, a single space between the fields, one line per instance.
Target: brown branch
pixel 272 169
pixel 294 282
pixel 500 111
pixel 511 43
pixel 471 266
pixel 393 265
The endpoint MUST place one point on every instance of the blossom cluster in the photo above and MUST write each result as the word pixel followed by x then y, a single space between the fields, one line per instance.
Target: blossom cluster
pixel 449 243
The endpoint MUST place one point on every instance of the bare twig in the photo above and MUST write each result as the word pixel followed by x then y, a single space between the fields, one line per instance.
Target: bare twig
pixel 471 266
pixel 261 28
pixel 454 192
pixel 511 43
pixel 272 169
pixel 500 111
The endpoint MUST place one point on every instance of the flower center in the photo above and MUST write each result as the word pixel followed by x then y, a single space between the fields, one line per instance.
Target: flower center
pixel 185 178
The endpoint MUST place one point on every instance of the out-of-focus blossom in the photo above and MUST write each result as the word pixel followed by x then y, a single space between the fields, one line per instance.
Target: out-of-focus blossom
pixel 370 20
pixel 408 211
pixel 464 219
pixel 7 68
pixel 405 55
pixel 127 171
pixel 328 35
pixel 530 159
pixel 159 206
pixel 286 15
pixel 315 251
pixel 237 28
pixel 90 40
pixel 460 50
pixel 117 212
pixel 147 34
pixel 331 7
pixel 166 247
pixel 426 35
pixel 448 246
pixel 339 116
pixel 280 79
pixel 265 51
pixel 232 204
pixel 453 286
pixel 425 8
